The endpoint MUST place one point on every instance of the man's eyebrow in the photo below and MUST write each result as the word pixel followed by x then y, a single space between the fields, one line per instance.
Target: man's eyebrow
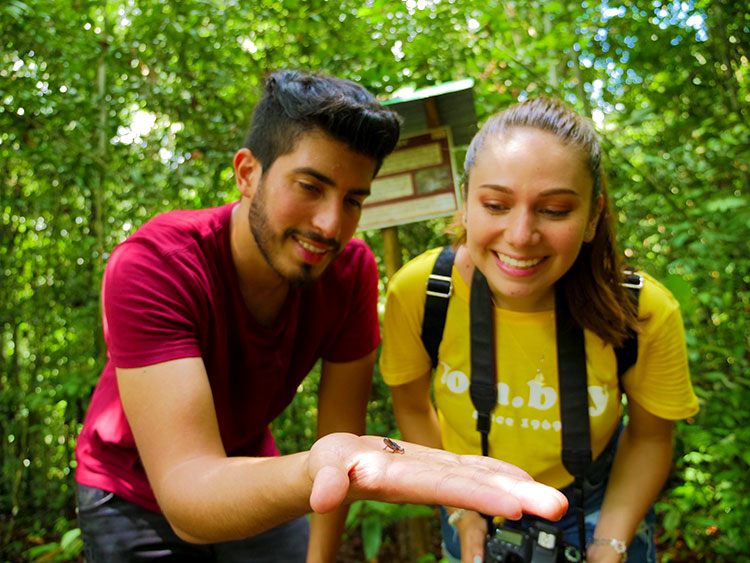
pixel 329 181
pixel 315 174
pixel 544 193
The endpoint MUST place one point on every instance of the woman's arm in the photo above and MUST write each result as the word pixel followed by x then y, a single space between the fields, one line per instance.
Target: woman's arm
pixel 641 466
pixel 415 413
pixel 418 422
pixel 342 406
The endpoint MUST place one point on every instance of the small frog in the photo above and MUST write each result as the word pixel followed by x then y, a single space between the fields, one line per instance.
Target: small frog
pixel 392 446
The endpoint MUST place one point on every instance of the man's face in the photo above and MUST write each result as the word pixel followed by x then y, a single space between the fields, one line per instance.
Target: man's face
pixel 307 205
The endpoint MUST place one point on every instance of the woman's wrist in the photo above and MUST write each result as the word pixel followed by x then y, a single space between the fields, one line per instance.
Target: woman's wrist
pixel 609 546
pixel 455 515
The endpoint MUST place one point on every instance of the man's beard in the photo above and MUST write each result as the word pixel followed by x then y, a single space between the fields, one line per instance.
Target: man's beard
pixel 266 238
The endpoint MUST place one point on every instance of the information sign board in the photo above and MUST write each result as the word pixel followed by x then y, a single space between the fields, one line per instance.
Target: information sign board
pixel 417 181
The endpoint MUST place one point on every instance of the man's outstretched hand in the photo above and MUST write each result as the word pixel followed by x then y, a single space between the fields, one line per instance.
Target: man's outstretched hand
pixel 346 467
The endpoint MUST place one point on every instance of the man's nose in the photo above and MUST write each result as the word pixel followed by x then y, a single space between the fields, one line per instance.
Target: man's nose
pixel 327 220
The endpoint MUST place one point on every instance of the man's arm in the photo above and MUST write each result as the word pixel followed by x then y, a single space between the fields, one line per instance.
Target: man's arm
pixel 205 495
pixel 342 406
pixel 209 497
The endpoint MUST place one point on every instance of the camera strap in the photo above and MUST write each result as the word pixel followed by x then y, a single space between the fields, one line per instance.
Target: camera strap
pixel 482 389
pixel 574 402
pixel 572 380
pixel 439 289
pixel 576 440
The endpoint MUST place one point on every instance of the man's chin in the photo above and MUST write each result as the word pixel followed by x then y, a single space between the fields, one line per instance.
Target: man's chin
pixel 306 275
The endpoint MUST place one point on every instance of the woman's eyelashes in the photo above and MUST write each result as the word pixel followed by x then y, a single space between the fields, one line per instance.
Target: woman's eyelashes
pixel 553 212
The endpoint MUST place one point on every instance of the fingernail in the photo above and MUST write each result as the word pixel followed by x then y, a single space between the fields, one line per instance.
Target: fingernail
pixel 477 559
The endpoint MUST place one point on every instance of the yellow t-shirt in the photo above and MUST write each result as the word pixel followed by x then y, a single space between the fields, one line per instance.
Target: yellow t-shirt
pixel 525 430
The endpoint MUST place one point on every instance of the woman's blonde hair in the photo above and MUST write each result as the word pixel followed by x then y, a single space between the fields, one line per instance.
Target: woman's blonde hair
pixel 593 284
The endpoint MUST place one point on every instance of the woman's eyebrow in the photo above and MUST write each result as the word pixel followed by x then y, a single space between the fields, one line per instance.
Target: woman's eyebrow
pixel 543 193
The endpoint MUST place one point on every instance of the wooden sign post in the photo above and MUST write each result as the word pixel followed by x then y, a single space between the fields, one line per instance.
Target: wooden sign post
pixel 419 180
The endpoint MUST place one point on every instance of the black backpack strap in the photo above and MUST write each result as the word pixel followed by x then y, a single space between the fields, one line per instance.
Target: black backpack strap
pixel 439 290
pixel 627 354
pixel 574 402
pixel 482 388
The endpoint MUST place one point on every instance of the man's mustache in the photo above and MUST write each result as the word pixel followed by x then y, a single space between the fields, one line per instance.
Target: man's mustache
pixel 315 237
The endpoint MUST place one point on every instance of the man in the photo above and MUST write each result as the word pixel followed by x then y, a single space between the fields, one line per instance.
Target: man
pixel 213 317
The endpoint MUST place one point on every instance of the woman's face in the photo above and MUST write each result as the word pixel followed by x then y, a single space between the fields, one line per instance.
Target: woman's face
pixel 527 213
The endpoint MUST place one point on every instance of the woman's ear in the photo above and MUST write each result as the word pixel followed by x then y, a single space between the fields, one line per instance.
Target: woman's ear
pixel 464 211
pixel 590 233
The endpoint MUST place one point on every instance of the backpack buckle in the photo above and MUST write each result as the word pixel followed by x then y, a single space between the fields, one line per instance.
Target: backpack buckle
pixel 439 286
pixel 632 280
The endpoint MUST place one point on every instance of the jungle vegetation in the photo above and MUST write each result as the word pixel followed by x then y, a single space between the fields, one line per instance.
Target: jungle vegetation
pixel 112 111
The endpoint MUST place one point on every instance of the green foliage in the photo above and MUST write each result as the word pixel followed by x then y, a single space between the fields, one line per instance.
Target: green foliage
pixel 373 517
pixel 68 548
pixel 114 111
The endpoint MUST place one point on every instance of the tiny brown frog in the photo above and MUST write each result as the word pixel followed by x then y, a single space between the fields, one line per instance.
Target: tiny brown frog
pixel 392 446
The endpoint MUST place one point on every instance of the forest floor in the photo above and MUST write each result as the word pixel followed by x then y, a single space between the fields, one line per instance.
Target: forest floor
pixel 399 544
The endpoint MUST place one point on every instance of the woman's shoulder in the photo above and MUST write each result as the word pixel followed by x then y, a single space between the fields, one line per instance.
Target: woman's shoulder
pixel 655 296
pixel 657 307
pixel 416 270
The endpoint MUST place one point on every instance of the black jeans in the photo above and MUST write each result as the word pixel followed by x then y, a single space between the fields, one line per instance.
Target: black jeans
pixel 117 531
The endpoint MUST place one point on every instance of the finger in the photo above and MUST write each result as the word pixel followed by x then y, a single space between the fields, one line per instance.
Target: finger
pixel 495 465
pixel 472 535
pixel 534 497
pixel 329 489
pixel 540 499
pixel 503 495
pixel 409 480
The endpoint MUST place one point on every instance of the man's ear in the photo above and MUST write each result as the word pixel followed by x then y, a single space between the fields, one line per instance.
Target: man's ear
pixel 247 171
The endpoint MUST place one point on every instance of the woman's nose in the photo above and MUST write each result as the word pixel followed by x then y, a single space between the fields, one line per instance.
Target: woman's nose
pixel 520 229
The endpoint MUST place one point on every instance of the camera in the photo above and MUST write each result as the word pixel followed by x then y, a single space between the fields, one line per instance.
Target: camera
pixel 540 543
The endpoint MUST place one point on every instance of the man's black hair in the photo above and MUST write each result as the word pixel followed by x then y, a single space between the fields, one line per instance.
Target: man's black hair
pixel 295 102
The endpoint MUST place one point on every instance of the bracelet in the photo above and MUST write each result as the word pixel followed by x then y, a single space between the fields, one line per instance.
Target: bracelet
pixel 455 516
pixel 619 546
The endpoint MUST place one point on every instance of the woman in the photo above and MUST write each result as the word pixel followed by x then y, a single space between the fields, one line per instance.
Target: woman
pixel 536 220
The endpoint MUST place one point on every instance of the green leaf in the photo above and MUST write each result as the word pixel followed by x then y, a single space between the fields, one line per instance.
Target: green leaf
pixel 680 288
pixel 552 7
pixel 40 550
pixel 671 520
pixel 71 541
pixel 16 9
pixel 727 204
pixel 372 536
pixel 354 512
